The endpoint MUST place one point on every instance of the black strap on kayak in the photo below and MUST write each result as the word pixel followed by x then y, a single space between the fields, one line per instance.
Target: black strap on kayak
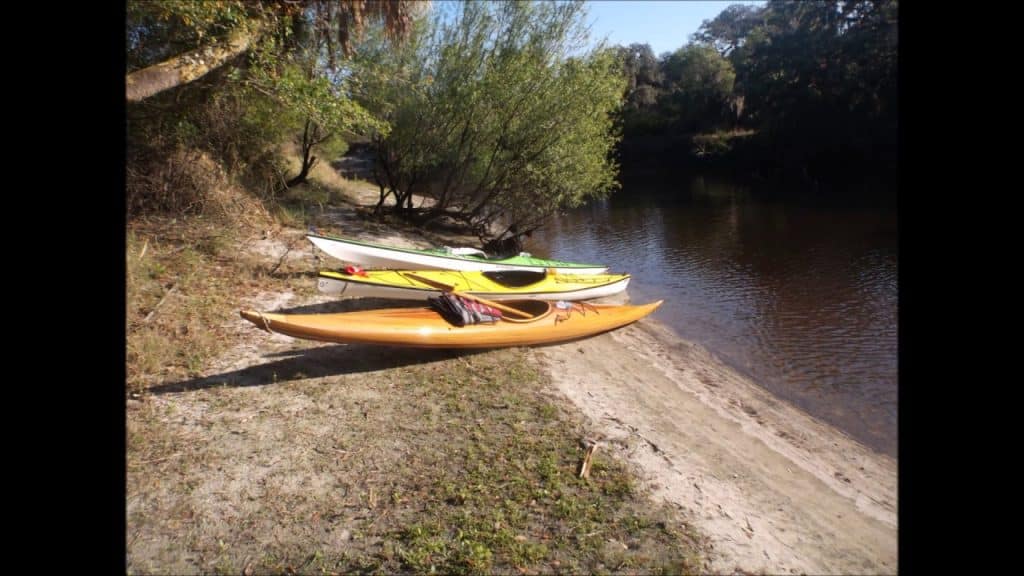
pixel 461 311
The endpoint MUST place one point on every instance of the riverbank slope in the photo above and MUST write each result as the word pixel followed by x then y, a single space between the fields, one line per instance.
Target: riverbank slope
pixel 774 490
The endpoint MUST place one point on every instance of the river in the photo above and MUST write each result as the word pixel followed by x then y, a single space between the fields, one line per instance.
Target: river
pixel 798 295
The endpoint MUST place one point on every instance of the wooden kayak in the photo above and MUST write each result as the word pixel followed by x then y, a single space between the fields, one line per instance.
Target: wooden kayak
pixel 371 255
pixel 494 285
pixel 426 328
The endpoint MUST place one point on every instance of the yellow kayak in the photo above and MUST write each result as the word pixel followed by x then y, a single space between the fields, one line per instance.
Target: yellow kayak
pixel 549 323
pixel 495 285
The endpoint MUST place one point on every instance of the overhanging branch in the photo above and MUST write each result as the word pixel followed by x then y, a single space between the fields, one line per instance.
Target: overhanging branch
pixel 187 67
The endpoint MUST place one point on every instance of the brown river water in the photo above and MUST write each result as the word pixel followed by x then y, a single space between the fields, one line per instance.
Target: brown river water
pixel 800 296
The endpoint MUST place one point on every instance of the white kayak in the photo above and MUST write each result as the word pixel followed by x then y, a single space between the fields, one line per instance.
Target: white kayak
pixel 377 256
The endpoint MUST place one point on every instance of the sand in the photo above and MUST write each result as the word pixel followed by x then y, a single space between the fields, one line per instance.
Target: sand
pixel 775 490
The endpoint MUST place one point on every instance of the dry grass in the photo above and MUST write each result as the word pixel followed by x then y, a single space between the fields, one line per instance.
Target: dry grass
pixel 186 275
pixel 325 184
pixel 185 280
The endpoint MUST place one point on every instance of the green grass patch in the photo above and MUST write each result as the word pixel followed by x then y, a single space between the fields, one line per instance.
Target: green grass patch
pixel 508 499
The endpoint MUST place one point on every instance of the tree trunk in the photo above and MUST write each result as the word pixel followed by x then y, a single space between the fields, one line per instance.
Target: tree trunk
pixel 308 160
pixel 380 202
pixel 187 67
pixel 307 165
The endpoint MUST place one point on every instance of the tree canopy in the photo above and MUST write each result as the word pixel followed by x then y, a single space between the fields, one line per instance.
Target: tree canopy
pixel 730 29
pixel 816 79
pixel 499 113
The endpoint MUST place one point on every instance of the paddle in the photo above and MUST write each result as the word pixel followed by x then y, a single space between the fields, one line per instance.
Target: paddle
pixel 451 289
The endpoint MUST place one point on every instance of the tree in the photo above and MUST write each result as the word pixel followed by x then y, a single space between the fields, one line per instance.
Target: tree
pixel 643 75
pixel 699 86
pixel 498 114
pixel 815 80
pixel 729 30
pixel 218 32
pixel 824 60
pixel 322 105
pixel 820 80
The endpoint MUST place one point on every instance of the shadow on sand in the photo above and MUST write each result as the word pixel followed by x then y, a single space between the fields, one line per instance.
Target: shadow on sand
pixel 330 360
pixel 334 360
pixel 318 362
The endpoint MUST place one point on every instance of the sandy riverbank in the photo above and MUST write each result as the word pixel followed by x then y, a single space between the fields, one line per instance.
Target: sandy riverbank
pixel 776 491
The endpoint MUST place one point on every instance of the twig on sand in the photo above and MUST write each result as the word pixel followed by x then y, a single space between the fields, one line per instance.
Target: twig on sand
pixel 281 260
pixel 153 311
pixel 154 460
pixel 285 255
pixel 345 454
pixel 590 446
pixel 381 515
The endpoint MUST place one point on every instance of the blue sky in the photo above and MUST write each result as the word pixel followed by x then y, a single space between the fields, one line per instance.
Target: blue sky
pixel 664 24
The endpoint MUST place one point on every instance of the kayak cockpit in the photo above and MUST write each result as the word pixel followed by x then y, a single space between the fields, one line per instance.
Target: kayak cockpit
pixel 537 309
pixel 515 278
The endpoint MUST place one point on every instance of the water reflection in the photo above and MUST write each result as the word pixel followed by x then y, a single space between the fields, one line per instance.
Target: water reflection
pixel 802 298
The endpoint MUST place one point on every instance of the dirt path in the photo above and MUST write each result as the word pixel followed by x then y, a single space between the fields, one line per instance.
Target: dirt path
pixel 776 491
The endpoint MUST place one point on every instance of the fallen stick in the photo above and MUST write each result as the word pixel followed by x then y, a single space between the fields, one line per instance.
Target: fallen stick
pixel 288 250
pixel 142 462
pixel 153 311
pixel 588 455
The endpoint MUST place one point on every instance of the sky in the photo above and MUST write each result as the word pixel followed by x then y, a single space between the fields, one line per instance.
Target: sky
pixel 664 24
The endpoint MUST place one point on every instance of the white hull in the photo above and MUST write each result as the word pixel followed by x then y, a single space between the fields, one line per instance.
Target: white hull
pixel 360 290
pixel 372 257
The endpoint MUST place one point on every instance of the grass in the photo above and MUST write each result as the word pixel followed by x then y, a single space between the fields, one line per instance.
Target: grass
pixel 514 503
